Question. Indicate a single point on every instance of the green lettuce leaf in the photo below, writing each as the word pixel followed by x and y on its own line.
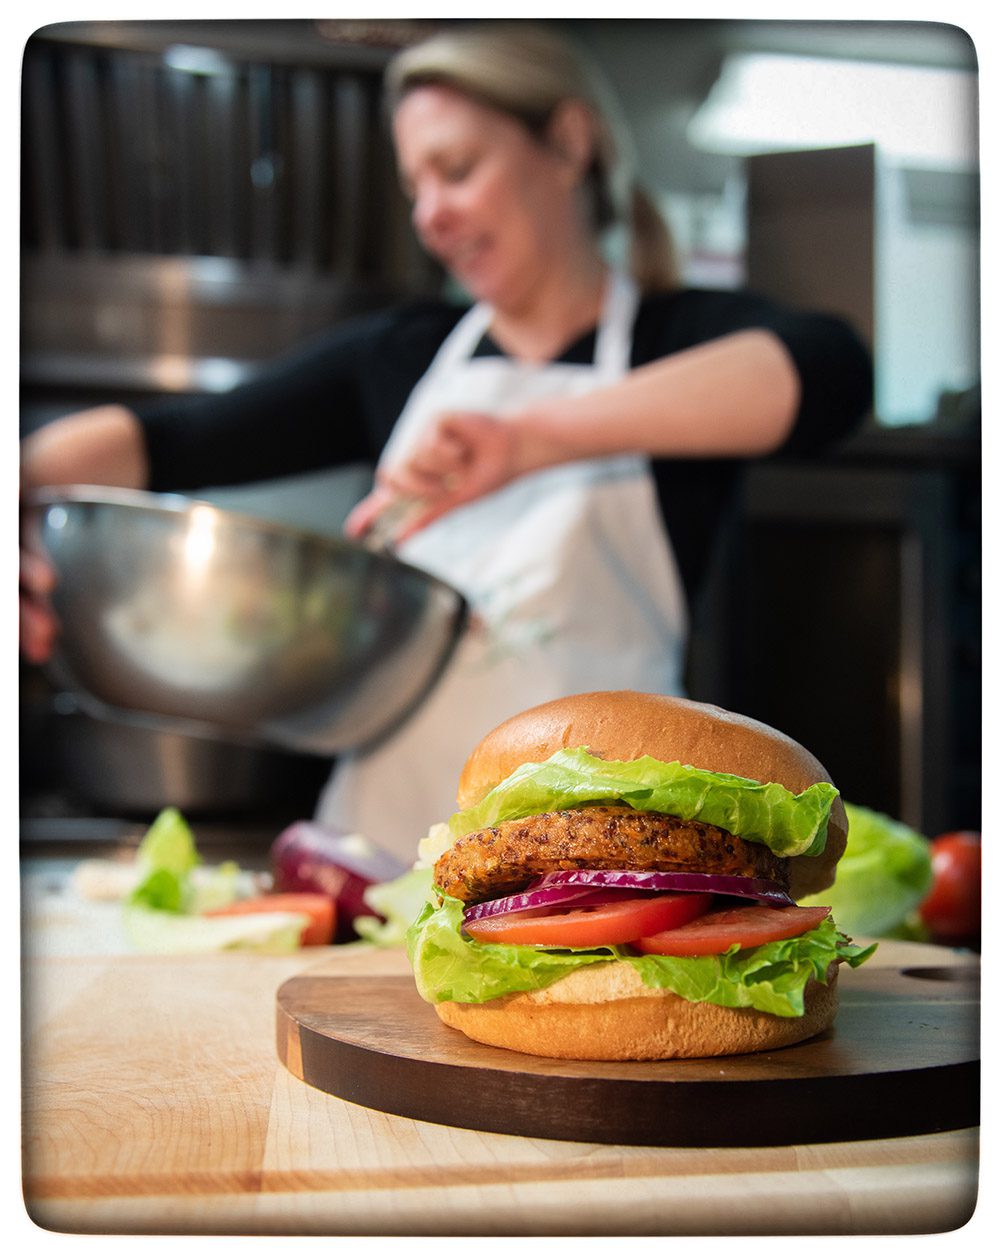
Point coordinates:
pixel 165 858
pixel 399 903
pixel 882 877
pixel 172 876
pixel 164 913
pixel 215 887
pixel 787 823
pixel 770 977
pixel 166 932
pixel 449 966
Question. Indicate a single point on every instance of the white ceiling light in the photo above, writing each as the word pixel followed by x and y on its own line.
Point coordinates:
pixel 769 102
pixel 196 60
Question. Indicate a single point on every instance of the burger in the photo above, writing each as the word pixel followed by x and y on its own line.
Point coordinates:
pixel 620 882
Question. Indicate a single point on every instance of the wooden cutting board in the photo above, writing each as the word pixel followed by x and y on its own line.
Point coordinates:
pixel 154 1102
pixel 902 1059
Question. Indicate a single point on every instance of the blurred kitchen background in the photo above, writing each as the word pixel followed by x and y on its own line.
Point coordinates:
pixel 199 196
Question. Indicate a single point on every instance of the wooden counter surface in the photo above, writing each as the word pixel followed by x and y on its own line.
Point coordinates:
pixel 155 1102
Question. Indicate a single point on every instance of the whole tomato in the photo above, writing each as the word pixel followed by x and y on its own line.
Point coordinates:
pixel 952 907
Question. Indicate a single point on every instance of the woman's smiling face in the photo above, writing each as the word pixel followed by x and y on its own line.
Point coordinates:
pixel 490 202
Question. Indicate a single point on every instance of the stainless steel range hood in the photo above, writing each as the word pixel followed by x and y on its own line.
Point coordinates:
pixel 186 217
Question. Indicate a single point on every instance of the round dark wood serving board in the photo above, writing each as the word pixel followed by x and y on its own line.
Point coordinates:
pixel 902 1059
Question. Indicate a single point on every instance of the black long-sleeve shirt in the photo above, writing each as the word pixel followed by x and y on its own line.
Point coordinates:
pixel 335 401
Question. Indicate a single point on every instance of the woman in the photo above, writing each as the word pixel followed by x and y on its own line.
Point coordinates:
pixel 563 449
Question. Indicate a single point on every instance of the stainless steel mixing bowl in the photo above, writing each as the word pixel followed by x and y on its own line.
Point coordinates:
pixel 219 624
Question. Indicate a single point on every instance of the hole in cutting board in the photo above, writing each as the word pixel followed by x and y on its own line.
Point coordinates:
pixel 942 973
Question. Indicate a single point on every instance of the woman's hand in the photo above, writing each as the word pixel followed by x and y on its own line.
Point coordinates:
pixel 103 445
pixel 460 457
pixel 38 625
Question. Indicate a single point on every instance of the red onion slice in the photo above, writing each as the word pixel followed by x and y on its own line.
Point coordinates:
pixel 666 882
pixel 537 898
pixel 596 886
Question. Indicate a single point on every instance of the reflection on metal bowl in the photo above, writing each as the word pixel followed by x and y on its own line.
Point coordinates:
pixel 207 621
pixel 117 767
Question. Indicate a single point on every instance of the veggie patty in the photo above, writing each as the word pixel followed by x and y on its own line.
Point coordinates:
pixel 507 858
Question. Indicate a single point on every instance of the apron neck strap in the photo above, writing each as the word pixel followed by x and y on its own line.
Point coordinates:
pixel 613 349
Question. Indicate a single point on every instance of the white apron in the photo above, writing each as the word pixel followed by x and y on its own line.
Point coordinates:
pixel 572 584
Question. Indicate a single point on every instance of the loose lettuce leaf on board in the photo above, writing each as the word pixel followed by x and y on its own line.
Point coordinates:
pixel 166 858
pixel 166 932
pixel 164 913
pixel 172 875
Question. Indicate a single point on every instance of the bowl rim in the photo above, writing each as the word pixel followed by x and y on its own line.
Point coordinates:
pixel 178 503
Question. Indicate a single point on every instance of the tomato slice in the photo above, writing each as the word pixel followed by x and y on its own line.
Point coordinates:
pixel 608 924
pixel 320 909
pixel 744 926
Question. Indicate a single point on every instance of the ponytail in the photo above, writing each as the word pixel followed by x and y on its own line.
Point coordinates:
pixel 652 257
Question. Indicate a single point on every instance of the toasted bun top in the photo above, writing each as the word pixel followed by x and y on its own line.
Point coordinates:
pixel 625 725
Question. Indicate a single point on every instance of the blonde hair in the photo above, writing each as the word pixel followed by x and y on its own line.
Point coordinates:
pixel 527 71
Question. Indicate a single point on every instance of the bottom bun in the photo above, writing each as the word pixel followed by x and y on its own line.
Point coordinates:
pixel 606 1012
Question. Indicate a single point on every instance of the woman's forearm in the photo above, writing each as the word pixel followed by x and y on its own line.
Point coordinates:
pixel 732 397
pixel 103 446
